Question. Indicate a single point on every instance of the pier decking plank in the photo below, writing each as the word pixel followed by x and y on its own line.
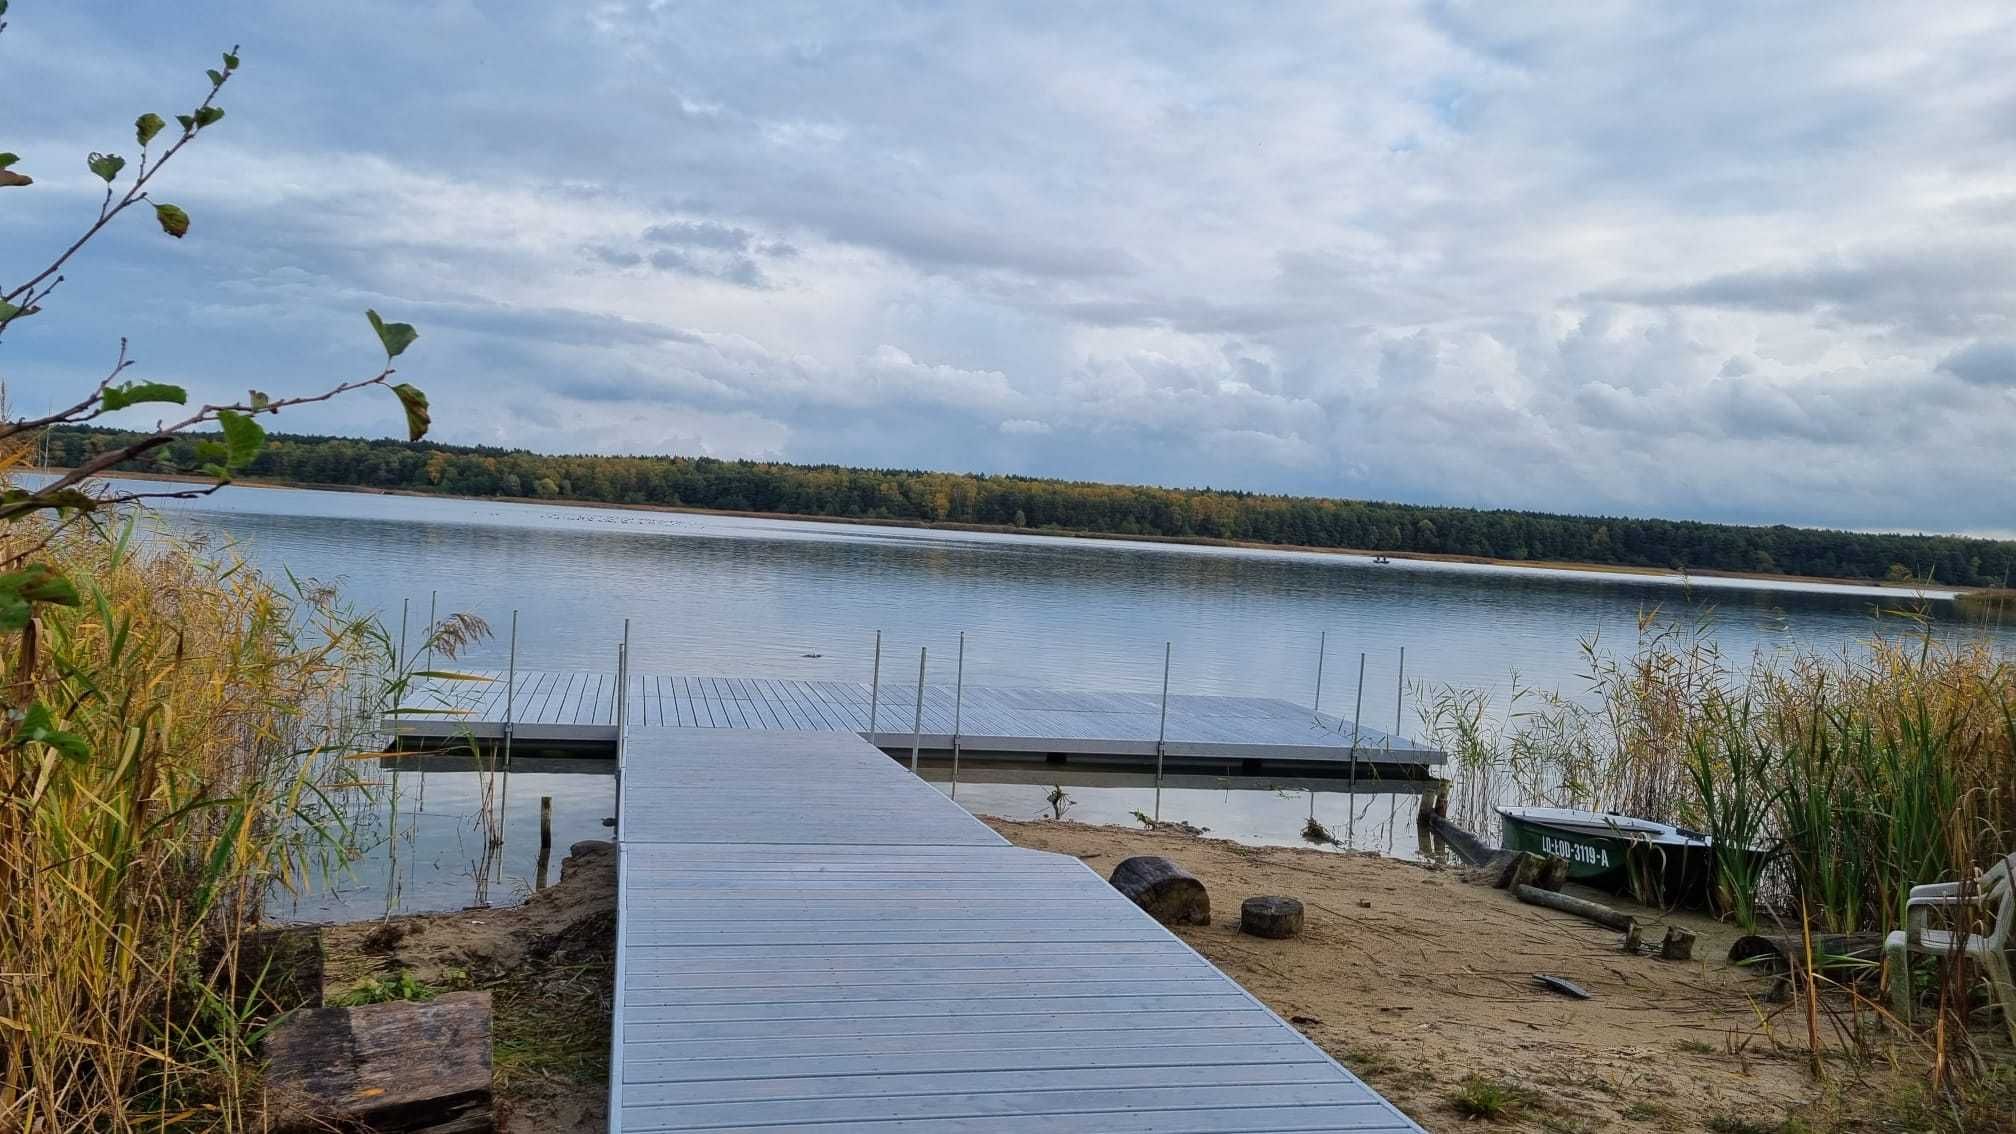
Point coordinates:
pixel 810 938
pixel 569 707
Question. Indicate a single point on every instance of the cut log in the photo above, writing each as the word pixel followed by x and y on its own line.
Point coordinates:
pixel 1589 911
pixel 1553 873
pixel 1467 846
pixel 1170 894
pixel 1841 956
pixel 1679 944
pixel 403 1067
pixel 1270 917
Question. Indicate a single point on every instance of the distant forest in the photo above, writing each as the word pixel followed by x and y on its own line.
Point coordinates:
pixel 1068 506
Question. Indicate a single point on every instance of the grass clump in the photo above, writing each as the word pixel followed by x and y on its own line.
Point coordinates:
pixel 384 990
pixel 1489 1099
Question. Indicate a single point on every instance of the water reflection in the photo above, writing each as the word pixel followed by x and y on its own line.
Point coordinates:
pixel 443 835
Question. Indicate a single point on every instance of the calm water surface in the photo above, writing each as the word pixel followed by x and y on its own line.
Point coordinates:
pixel 732 596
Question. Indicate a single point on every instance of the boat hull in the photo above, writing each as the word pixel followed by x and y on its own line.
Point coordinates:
pixel 1652 873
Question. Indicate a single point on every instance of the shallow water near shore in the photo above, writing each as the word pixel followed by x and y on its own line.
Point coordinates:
pixel 426 845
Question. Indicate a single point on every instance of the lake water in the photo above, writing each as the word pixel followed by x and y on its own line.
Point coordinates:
pixel 750 597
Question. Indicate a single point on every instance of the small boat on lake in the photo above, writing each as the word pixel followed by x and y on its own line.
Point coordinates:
pixel 1655 863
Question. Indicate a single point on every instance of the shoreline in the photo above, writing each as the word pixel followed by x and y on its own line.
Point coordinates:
pixel 1661 574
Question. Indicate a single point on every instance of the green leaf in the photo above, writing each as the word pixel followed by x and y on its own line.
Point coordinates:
pixel 38 725
pixel 188 122
pixel 230 61
pixel 106 166
pixel 8 159
pixel 135 393
pixel 146 126
pixel 216 77
pixel 243 438
pixel 396 336
pixel 173 220
pixel 21 590
pixel 205 115
pixel 415 403
pixel 9 311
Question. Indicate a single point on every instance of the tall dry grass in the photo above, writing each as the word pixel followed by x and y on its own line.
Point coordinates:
pixel 1864 772
pixel 174 752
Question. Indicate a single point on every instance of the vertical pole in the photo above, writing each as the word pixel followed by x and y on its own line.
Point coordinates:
pixel 622 718
pixel 1162 729
pixel 403 604
pixel 1351 816
pixel 1322 648
pixel 958 703
pixel 917 723
pixel 875 694
pixel 1400 694
pixel 433 604
pixel 510 691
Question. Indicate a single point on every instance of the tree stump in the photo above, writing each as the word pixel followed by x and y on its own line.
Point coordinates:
pixel 1170 894
pixel 1553 873
pixel 1679 944
pixel 1270 917
pixel 403 1067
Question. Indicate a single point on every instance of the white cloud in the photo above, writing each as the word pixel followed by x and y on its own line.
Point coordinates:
pixel 1605 257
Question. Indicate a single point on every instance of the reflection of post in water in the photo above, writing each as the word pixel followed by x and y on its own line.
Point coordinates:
pixel 545 840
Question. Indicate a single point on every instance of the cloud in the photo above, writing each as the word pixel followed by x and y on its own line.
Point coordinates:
pixel 1578 259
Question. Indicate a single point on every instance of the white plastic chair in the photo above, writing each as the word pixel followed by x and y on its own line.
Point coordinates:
pixel 1994 889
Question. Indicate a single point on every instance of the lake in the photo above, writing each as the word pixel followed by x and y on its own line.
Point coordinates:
pixel 751 597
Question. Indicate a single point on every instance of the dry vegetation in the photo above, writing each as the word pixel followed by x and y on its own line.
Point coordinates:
pixel 175 753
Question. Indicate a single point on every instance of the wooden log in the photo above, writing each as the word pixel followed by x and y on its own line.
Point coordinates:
pixel 1840 956
pixel 1270 917
pixel 1170 894
pixel 1679 944
pixel 1467 846
pixel 402 1067
pixel 1589 911
pixel 1633 939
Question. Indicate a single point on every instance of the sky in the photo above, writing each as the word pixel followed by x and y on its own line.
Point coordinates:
pixel 1745 262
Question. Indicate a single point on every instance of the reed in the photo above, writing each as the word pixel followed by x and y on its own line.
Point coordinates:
pixel 175 753
pixel 1864 772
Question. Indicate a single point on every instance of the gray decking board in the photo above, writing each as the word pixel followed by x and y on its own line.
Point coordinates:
pixel 580 708
pixel 810 938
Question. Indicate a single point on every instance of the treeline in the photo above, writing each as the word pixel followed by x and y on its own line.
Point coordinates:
pixel 1027 502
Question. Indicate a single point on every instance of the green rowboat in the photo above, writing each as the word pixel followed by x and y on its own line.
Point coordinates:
pixel 1655 863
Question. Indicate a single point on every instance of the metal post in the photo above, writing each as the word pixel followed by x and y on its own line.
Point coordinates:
pixel 1400 694
pixel 1351 816
pixel 1162 729
pixel 403 604
pixel 958 702
pixel 433 604
pixel 622 718
pixel 917 723
pixel 510 692
pixel 1322 648
pixel 875 694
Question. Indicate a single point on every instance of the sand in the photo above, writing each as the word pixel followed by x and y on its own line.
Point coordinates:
pixel 1417 980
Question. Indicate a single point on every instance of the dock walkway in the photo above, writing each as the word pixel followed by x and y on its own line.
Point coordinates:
pixel 1121 728
pixel 809 938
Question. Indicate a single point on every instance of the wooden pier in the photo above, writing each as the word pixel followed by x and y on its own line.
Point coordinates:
pixel 809 938
pixel 1246 733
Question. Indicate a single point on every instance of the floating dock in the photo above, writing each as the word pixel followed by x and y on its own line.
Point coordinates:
pixel 1247 734
pixel 809 938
